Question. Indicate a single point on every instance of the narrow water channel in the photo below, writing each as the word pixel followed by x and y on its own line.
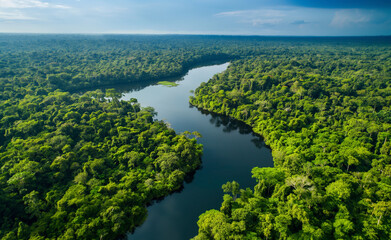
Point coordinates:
pixel 231 150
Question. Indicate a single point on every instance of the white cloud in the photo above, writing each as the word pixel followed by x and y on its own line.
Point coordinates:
pixel 263 12
pixel 18 9
pixel 16 15
pixel 347 17
pixel 256 17
pixel 18 4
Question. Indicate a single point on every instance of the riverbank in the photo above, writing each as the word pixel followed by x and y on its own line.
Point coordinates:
pixel 140 84
pixel 230 151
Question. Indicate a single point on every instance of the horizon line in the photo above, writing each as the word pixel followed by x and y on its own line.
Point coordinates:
pixel 187 34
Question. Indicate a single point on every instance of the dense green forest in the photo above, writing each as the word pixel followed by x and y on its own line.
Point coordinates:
pixel 72 62
pixel 325 112
pixel 85 165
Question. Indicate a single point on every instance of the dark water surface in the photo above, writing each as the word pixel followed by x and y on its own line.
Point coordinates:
pixel 231 150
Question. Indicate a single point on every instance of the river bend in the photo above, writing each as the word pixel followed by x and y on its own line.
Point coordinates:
pixel 231 150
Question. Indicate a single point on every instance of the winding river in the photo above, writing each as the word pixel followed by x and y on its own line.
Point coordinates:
pixel 231 150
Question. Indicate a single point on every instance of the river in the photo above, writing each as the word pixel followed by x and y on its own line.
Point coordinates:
pixel 231 150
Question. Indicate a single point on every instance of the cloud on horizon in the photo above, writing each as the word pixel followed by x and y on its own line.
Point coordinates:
pixel 246 17
pixel 19 9
pixel 349 17
pixel 280 16
pixel 256 17
pixel 378 4
pixel 29 4
pixel 290 20
pixel 15 15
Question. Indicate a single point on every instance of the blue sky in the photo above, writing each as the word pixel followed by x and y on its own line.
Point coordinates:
pixel 232 17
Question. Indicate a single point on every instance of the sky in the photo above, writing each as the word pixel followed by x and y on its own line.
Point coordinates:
pixel 217 17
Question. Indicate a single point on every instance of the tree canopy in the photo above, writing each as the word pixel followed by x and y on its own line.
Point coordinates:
pixel 325 112
pixel 84 165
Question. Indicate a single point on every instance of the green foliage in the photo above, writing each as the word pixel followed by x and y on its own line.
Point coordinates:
pixel 231 187
pixel 82 167
pixel 44 63
pixel 168 84
pixel 323 109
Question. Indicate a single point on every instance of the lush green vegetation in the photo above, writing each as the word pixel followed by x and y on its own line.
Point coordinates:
pixel 325 112
pixel 84 166
pixel 168 84
pixel 73 62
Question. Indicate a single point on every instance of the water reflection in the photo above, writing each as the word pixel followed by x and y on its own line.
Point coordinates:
pixel 231 124
pixel 140 85
pixel 231 150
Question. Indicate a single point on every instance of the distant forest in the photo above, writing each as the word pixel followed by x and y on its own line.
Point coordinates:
pixel 85 165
